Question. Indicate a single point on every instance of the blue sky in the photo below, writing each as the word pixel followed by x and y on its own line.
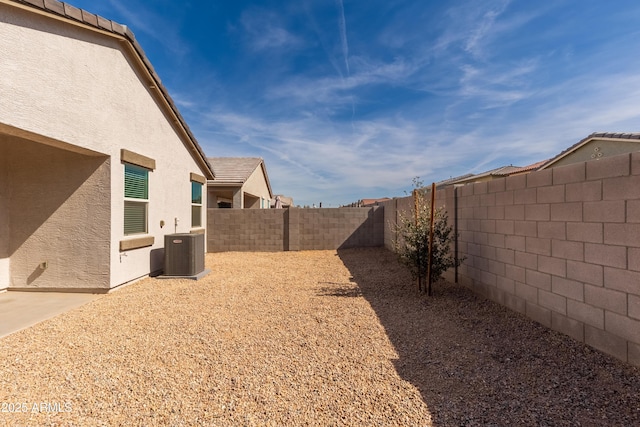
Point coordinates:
pixel 352 99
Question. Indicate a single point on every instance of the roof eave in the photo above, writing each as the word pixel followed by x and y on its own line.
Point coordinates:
pixel 266 177
pixel 222 183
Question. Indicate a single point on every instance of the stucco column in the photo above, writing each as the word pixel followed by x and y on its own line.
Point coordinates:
pixel 238 199
pixel 212 200
pixel 4 217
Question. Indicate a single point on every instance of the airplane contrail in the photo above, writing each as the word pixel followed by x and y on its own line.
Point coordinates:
pixel 342 23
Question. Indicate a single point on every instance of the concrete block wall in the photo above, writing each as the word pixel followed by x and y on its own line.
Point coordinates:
pixel 402 207
pixel 561 246
pixel 294 229
pixel 245 230
pixel 337 228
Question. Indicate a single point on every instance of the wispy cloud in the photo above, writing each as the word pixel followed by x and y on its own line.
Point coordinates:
pixel 336 49
pixel 498 86
pixel 483 29
pixel 334 91
pixel 370 155
pixel 152 23
pixel 493 114
pixel 472 26
pixel 265 31
pixel 378 157
pixel 342 25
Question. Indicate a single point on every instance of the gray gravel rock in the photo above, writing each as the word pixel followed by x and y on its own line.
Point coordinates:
pixel 306 338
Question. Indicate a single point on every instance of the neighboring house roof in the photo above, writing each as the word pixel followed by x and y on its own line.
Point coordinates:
pixel 372 202
pixel 234 171
pixel 502 171
pixel 453 180
pixel 530 168
pixel 67 13
pixel 468 178
pixel 607 136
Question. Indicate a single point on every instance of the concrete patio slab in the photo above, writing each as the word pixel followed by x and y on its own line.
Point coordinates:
pixel 20 310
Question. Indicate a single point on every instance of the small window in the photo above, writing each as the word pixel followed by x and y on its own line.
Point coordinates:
pixel 136 199
pixel 196 204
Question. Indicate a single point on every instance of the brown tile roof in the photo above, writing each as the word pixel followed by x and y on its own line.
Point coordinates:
pixel 516 170
pixel 68 12
pixel 465 179
pixel 452 180
pixel 497 172
pixel 373 202
pixel 583 141
pixel 501 171
pixel 236 170
pixel 616 135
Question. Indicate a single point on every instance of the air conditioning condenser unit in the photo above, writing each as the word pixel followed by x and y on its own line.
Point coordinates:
pixel 183 254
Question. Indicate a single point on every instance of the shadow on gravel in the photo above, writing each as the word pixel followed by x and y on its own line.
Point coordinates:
pixel 349 290
pixel 477 363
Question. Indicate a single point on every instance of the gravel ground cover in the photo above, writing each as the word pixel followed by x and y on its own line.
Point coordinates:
pixel 305 338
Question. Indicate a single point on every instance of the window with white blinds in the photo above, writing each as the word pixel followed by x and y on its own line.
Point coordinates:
pixel 136 199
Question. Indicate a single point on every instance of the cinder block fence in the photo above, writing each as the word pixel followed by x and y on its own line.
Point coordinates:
pixel 293 229
pixel 561 246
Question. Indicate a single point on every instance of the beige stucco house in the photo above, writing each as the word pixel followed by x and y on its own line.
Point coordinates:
pixel 596 146
pixel 281 201
pixel 96 163
pixel 240 182
pixel 500 172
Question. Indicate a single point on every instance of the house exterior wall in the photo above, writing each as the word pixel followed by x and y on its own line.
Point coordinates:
pixel 599 149
pixel 85 89
pixel 251 202
pixel 560 245
pixel 220 193
pixel 212 200
pixel 58 217
pixel 256 185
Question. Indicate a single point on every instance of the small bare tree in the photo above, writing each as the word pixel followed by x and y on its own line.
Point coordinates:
pixel 412 242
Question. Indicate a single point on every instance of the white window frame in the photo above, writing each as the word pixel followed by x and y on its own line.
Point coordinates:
pixel 141 238
pixel 138 201
pixel 201 181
